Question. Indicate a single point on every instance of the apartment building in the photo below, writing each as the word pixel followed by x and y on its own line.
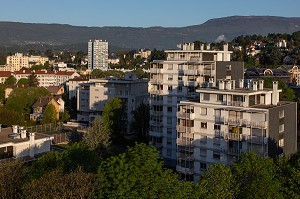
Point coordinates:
pixel 73 85
pixel 176 79
pixel 92 96
pixel 4 75
pixel 47 78
pixel 226 121
pixel 18 61
pixel 97 54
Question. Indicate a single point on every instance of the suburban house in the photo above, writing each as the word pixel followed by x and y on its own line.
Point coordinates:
pixel 56 90
pixel 40 105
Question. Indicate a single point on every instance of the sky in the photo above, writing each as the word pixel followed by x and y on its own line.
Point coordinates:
pixel 140 13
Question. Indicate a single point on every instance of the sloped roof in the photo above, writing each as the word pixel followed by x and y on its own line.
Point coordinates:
pixel 54 89
pixel 5 73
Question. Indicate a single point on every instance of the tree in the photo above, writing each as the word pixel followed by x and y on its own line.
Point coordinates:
pixel 10 117
pixel 141 118
pixel 33 80
pixel 10 81
pixel 23 81
pixel 11 178
pixel 256 177
pixel 158 55
pixel 64 116
pixel 114 116
pixel 97 73
pixel 219 182
pixel 138 173
pixel 97 136
pixel 50 114
pixel 58 184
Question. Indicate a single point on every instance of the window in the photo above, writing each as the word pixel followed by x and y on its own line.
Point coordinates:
pixel 179 78
pixel 281 128
pixel 169 109
pixel 217 112
pixel 217 127
pixel 203 152
pixel 169 99
pixel 216 155
pixel 169 120
pixel 203 111
pixel 203 138
pixel 220 97
pixel 281 143
pixel 170 77
pixel 281 114
pixel 205 96
pixel 179 88
pixel 203 166
pixel 204 125
pixel 169 152
pixel 170 66
pixel 169 131
pixel 170 88
pixel 169 141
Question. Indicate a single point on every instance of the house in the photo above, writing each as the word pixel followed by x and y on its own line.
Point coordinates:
pixel 16 142
pixel 4 75
pixel 56 90
pixel 40 105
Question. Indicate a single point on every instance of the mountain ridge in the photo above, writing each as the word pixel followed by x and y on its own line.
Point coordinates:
pixel 54 34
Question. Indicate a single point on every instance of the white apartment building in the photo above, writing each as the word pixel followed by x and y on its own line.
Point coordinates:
pixel 73 85
pixel 47 78
pixel 98 54
pixel 227 120
pixel 18 60
pixel 92 96
pixel 176 79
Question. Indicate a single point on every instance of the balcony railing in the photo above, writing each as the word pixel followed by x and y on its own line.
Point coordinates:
pixel 184 142
pixel 190 72
pixel 219 120
pixel 184 170
pixel 257 139
pixel 157 92
pixel 234 136
pixel 244 122
pixel 185 156
pixel 156 81
pixel 155 123
pixel 183 115
pixel 235 103
pixel 219 134
pixel 185 129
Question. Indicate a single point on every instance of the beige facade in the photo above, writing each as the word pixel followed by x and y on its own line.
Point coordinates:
pixel 227 120
pixel 18 60
pixel 92 96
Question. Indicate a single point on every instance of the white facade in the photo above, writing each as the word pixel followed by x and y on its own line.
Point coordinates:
pixel 171 81
pixel 226 121
pixel 92 96
pixel 98 54
pixel 73 85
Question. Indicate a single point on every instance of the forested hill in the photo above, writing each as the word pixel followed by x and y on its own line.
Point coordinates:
pixel 14 33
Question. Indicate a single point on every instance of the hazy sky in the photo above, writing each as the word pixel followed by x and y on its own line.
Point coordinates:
pixel 140 13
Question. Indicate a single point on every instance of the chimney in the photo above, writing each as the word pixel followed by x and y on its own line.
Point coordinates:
pixel 261 84
pixel 31 144
pixel 255 84
pixel 201 46
pixel 225 47
pixel 221 85
pixel 15 128
pixel 208 47
pixel 241 83
pixel 249 83
pixel 275 85
pixel 228 85
pixel 233 84
pixel 23 134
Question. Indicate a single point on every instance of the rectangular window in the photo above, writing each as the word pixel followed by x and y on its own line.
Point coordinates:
pixel 169 141
pixel 204 125
pixel 203 166
pixel 170 77
pixel 179 78
pixel 220 97
pixel 217 127
pixel 169 152
pixel 203 111
pixel 281 128
pixel 203 152
pixel 217 112
pixel 169 131
pixel 281 114
pixel 203 138
pixel 206 96
pixel 169 109
pixel 179 89
pixel 216 155
pixel 169 120
pixel 170 88
pixel 170 66
pixel 281 143
pixel 169 99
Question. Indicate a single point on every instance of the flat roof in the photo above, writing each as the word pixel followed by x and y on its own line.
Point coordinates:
pixel 4 138
pixel 236 90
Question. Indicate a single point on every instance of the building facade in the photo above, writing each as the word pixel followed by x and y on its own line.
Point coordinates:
pixel 228 120
pixel 92 96
pixel 176 79
pixel 98 55
pixel 18 61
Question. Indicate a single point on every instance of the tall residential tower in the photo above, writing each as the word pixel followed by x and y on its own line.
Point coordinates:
pixel 97 54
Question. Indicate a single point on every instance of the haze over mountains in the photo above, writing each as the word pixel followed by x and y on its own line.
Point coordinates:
pixel 67 36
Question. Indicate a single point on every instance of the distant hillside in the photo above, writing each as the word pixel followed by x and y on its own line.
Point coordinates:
pixel 66 36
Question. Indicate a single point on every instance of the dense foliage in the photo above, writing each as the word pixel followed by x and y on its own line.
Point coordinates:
pixel 79 172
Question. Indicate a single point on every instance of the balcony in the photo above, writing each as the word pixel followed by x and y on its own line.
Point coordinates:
pixel 236 103
pixel 234 136
pixel 234 151
pixel 156 81
pixel 185 156
pixel 183 115
pixel 257 139
pixel 155 70
pixel 156 102
pixel 184 170
pixel 156 113
pixel 184 142
pixel 219 120
pixel 155 123
pixel 185 129
pixel 244 122
pixel 157 92
pixel 190 72
pixel 219 134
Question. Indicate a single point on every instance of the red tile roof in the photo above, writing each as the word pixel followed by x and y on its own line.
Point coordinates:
pixel 5 73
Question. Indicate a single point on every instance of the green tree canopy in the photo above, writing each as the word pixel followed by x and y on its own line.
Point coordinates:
pixel 33 80
pixel 257 177
pixel 141 118
pixel 23 81
pixel 114 116
pixel 10 117
pixel 10 81
pixel 97 136
pixel 50 114
pixel 138 173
